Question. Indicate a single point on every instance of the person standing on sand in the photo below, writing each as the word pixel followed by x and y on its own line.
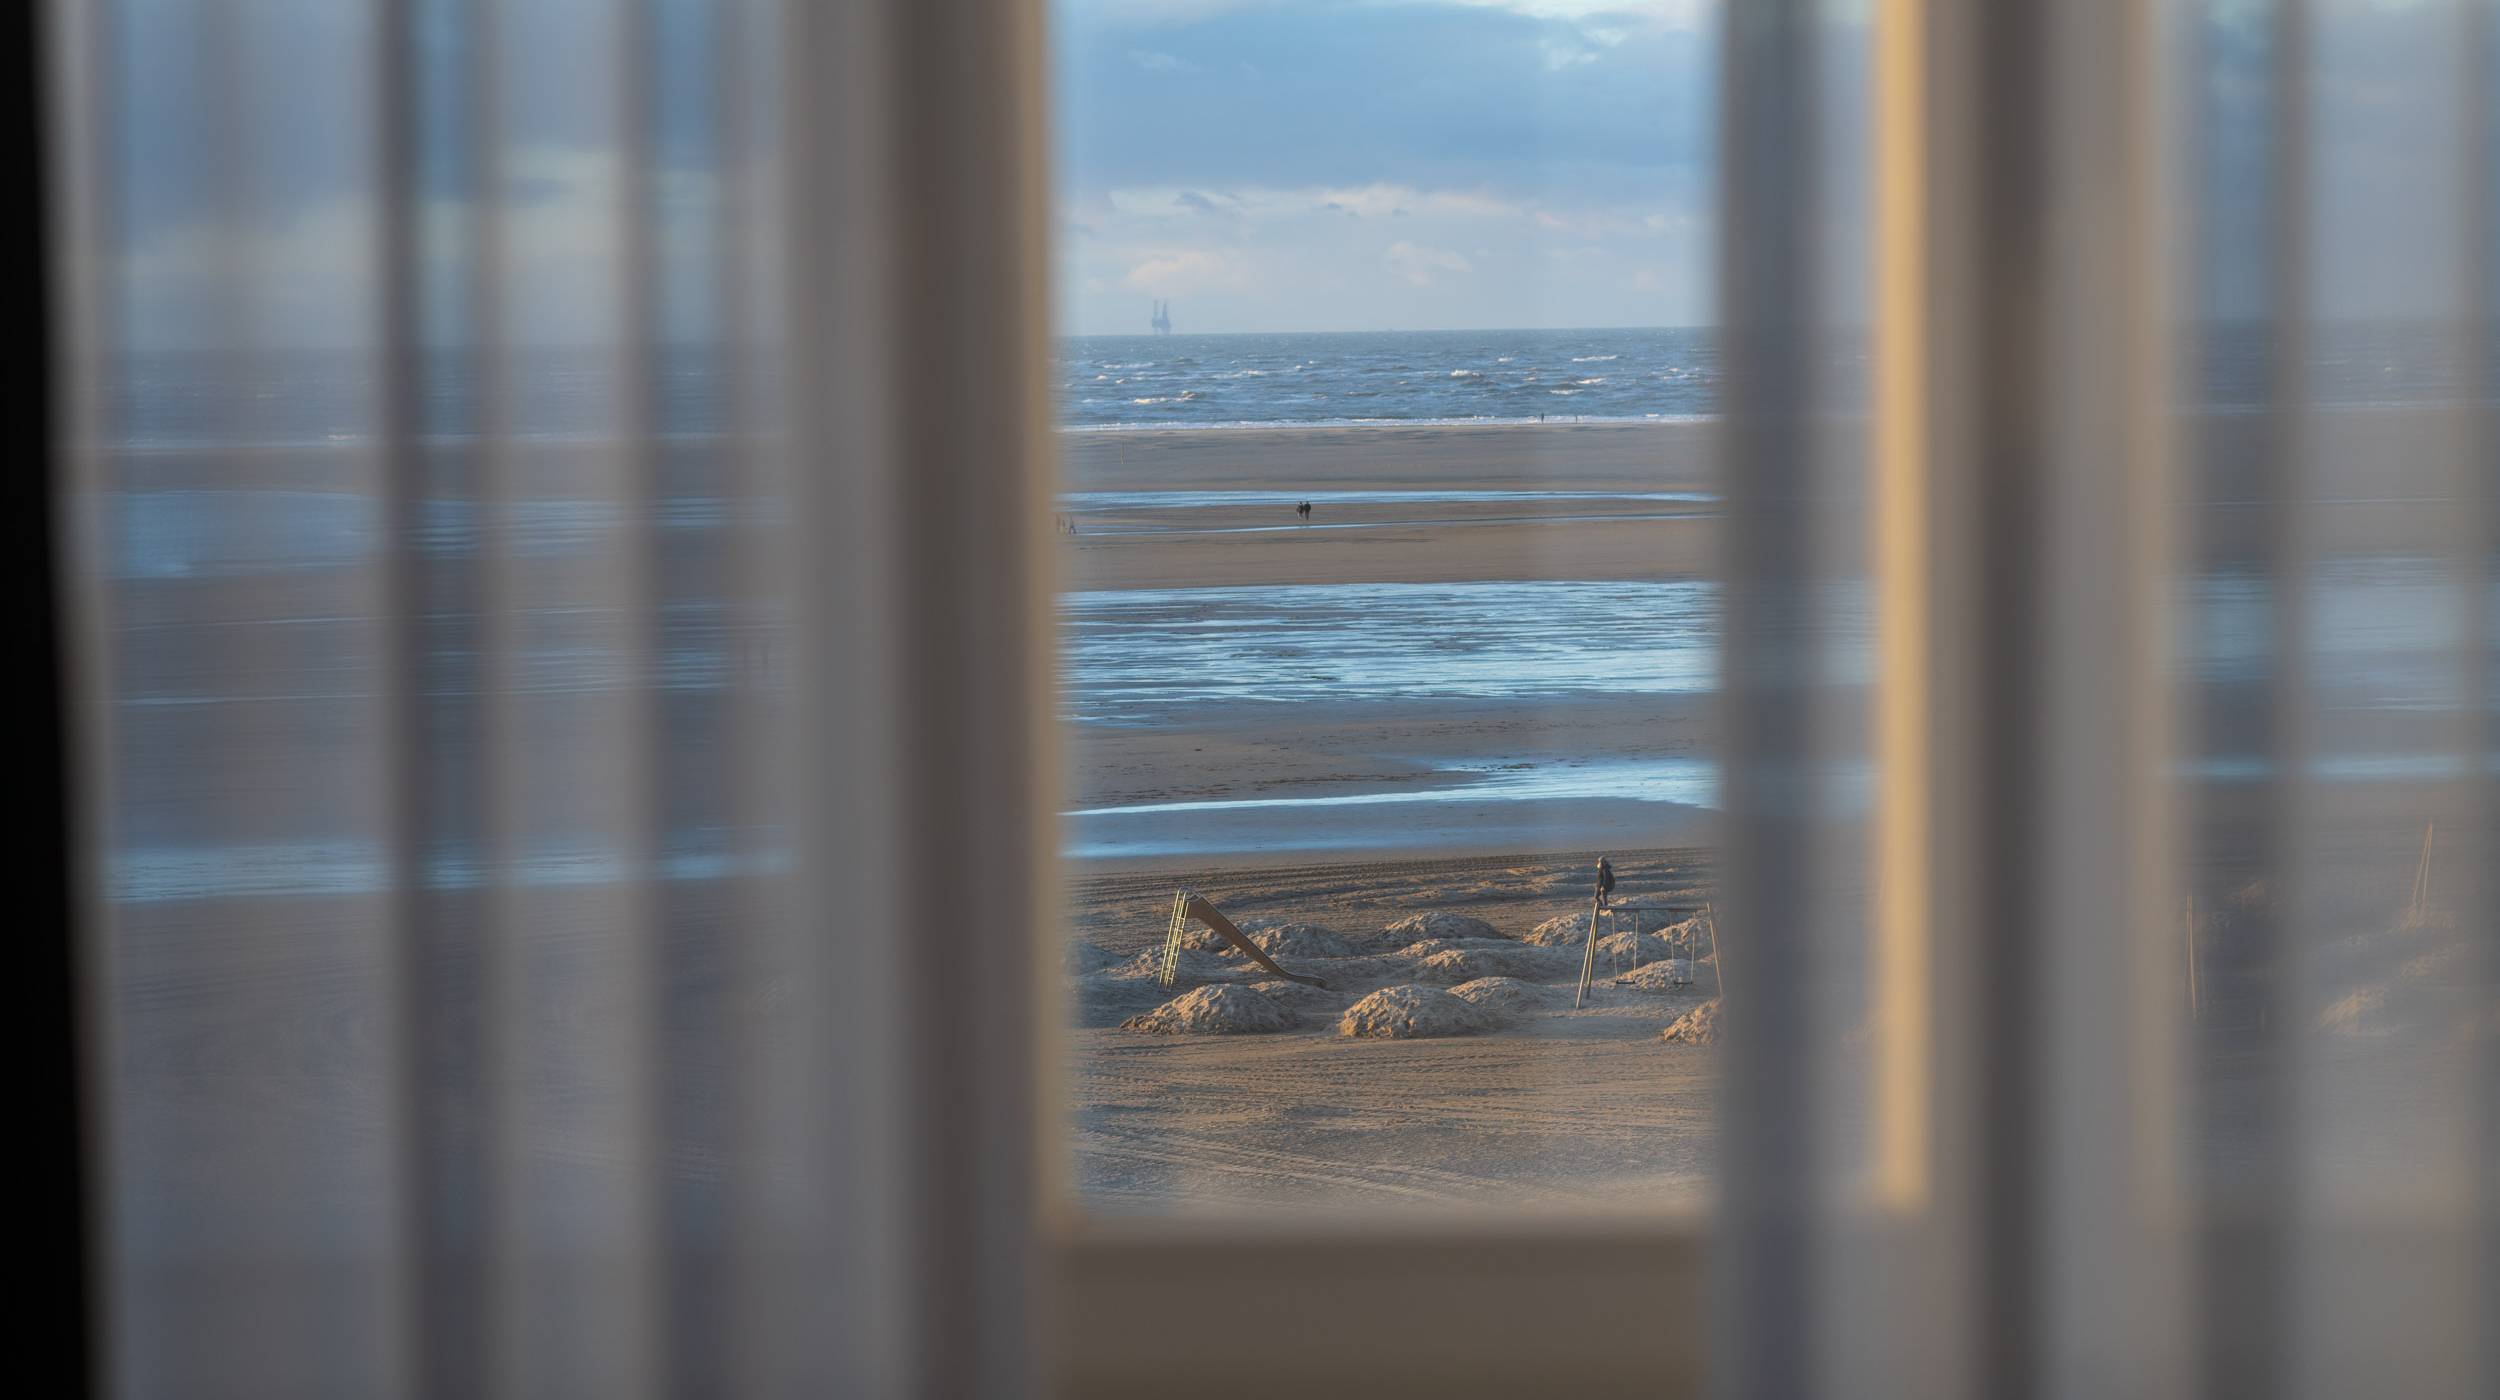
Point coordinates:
pixel 1304 510
pixel 1605 881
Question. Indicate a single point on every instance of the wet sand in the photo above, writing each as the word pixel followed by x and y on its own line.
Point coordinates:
pixel 2385 480
pixel 1555 505
pixel 1554 502
pixel 1406 542
pixel 1354 807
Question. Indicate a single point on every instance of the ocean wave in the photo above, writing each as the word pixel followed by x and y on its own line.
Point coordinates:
pixel 1592 359
pixel 1440 420
pixel 1465 374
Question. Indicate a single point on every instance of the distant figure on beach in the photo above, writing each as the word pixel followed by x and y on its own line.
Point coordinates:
pixel 1304 510
pixel 1605 880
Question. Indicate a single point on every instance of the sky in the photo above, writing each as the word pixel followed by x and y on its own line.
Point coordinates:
pixel 1263 164
pixel 1424 164
pixel 1344 165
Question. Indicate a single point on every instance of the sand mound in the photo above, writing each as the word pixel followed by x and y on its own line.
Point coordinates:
pixel 1507 998
pixel 1300 941
pixel 1103 1000
pixel 1453 963
pixel 1699 1026
pixel 1306 1003
pixel 1411 1012
pixel 2448 964
pixel 1191 969
pixel 1666 975
pixel 1081 958
pixel 2363 1012
pixel 1415 928
pixel 1572 930
pixel 1199 939
pixel 1220 1009
pixel 2411 980
pixel 1628 948
pixel 1358 974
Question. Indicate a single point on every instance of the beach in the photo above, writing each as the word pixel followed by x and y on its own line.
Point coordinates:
pixel 1492 643
pixel 1467 605
pixel 1503 637
pixel 1490 657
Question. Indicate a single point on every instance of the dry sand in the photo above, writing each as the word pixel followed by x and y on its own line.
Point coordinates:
pixel 2387 482
pixel 1402 1085
pixel 1528 1101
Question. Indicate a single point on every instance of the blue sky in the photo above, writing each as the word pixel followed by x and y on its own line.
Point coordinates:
pixel 1337 164
pixel 1377 164
pixel 1265 164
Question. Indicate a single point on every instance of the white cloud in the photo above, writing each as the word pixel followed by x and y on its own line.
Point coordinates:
pixel 212 284
pixel 1155 62
pixel 1373 201
pixel 1377 201
pixel 1616 17
pixel 1419 264
pixel 310 278
pixel 1678 14
pixel 1175 271
pixel 1560 55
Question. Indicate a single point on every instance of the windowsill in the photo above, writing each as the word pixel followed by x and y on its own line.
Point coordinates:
pixel 1540 1302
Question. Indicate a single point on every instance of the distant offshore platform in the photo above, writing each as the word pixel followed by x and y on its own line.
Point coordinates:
pixel 1162 319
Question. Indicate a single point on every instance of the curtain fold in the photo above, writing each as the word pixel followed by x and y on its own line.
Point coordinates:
pixel 554 485
pixel 2171 1086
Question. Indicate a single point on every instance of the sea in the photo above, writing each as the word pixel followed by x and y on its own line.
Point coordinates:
pixel 1213 381
pixel 177 399
pixel 248 471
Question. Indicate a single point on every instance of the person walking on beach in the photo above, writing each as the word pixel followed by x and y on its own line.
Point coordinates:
pixel 1304 510
pixel 1605 881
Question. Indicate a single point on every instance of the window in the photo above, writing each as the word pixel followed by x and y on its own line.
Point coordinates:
pixel 577 707
pixel 1387 395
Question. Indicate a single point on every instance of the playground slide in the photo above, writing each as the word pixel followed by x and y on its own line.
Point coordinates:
pixel 1190 904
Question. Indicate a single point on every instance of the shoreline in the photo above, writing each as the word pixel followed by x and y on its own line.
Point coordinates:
pixel 1330 424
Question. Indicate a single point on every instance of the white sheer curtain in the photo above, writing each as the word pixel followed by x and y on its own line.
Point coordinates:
pixel 2079 1169
pixel 553 493
pixel 560 641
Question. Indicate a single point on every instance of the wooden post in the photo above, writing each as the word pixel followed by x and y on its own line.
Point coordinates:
pixel 1588 957
pixel 1718 966
pixel 2422 879
pixel 2196 1000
